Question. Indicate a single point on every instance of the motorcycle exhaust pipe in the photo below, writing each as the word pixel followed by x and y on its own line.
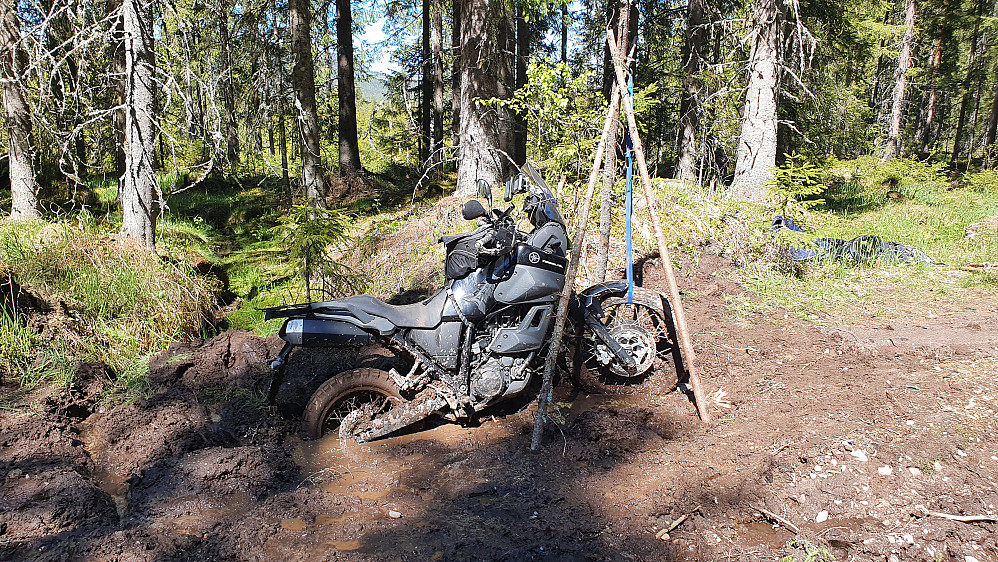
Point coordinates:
pixel 311 333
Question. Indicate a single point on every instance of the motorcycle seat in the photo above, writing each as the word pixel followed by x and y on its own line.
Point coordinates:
pixel 426 314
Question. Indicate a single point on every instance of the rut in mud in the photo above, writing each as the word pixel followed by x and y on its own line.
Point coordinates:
pixel 848 433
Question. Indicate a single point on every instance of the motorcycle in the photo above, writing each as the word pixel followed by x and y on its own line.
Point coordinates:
pixel 480 340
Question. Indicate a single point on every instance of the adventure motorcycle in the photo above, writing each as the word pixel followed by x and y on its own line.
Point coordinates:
pixel 482 338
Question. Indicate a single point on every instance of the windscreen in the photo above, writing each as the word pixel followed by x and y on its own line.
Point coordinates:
pixel 549 203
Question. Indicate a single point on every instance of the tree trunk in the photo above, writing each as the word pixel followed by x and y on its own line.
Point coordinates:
pixel 610 158
pixel 925 130
pixel 481 137
pixel 967 95
pixel 231 128
pixel 23 186
pixel 689 107
pixel 283 138
pixel 118 69
pixel 993 120
pixel 893 148
pixel 755 157
pixel 303 81
pixel 349 148
pixel 612 22
pixel 522 54
pixel 438 83
pixel 140 191
pixel 455 120
pixel 426 90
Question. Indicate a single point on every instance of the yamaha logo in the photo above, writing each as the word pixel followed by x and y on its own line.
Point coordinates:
pixel 534 257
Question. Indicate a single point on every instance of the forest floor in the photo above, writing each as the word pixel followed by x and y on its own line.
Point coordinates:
pixel 851 433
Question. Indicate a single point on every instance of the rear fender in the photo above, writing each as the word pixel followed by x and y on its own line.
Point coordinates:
pixel 331 311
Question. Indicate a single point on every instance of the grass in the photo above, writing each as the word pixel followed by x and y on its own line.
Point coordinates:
pixel 98 297
pixel 931 217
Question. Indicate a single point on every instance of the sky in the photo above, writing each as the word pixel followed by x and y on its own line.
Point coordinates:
pixel 380 55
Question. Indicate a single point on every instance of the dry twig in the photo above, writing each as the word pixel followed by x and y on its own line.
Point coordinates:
pixel 922 511
pixel 774 517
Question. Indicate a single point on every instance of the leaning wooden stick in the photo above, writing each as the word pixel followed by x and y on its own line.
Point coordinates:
pixel 685 343
pixel 554 348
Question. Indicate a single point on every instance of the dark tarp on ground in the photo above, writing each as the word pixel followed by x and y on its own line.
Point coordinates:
pixel 861 249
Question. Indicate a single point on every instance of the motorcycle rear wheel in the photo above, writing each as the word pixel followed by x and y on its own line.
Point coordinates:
pixel 355 397
pixel 640 327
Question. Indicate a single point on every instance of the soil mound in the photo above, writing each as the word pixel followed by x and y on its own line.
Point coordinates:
pixel 179 486
pixel 41 503
pixel 32 441
pixel 232 360
pixel 131 436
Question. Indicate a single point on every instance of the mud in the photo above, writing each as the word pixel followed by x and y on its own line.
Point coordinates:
pixel 849 432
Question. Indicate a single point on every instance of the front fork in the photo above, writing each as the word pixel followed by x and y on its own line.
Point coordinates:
pixel 596 325
pixel 279 366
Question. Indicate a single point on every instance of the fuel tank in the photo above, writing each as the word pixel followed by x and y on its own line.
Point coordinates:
pixel 537 276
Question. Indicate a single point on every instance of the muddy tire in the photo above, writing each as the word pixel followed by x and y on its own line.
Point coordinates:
pixel 639 326
pixel 360 393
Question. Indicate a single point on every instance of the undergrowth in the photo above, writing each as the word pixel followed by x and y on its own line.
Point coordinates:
pixel 93 296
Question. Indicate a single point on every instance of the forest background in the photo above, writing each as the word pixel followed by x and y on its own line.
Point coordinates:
pixel 173 165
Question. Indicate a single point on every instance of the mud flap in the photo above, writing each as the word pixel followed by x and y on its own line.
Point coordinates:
pixel 279 366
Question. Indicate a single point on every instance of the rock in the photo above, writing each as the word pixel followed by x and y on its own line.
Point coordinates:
pixel 860 455
pixel 915 471
pixel 822 516
pixel 662 535
pixel 395 514
pixel 885 470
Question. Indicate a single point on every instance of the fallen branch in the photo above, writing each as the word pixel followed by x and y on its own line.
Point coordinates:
pixel 920 509
pixel 774 517
pixel 980 267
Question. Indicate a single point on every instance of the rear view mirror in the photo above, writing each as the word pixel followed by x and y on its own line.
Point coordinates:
pixel 514 185
pixel 473 210
pixel 485 191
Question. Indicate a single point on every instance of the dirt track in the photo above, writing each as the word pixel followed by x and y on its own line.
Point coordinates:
pixel 847 433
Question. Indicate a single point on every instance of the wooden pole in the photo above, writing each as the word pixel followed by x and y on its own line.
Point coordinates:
pixel 685 342
pixel 544 398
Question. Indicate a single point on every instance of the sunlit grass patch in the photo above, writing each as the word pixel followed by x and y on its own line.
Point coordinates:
pixel 101 298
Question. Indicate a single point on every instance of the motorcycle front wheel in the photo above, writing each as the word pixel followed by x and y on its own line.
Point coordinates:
pixel 347 403
pixel 640 328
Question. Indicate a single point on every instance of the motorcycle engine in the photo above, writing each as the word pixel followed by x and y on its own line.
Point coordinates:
pixel 495 375
pixel 491 378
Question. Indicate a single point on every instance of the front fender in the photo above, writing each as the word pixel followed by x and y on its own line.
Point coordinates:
pixel 590 298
